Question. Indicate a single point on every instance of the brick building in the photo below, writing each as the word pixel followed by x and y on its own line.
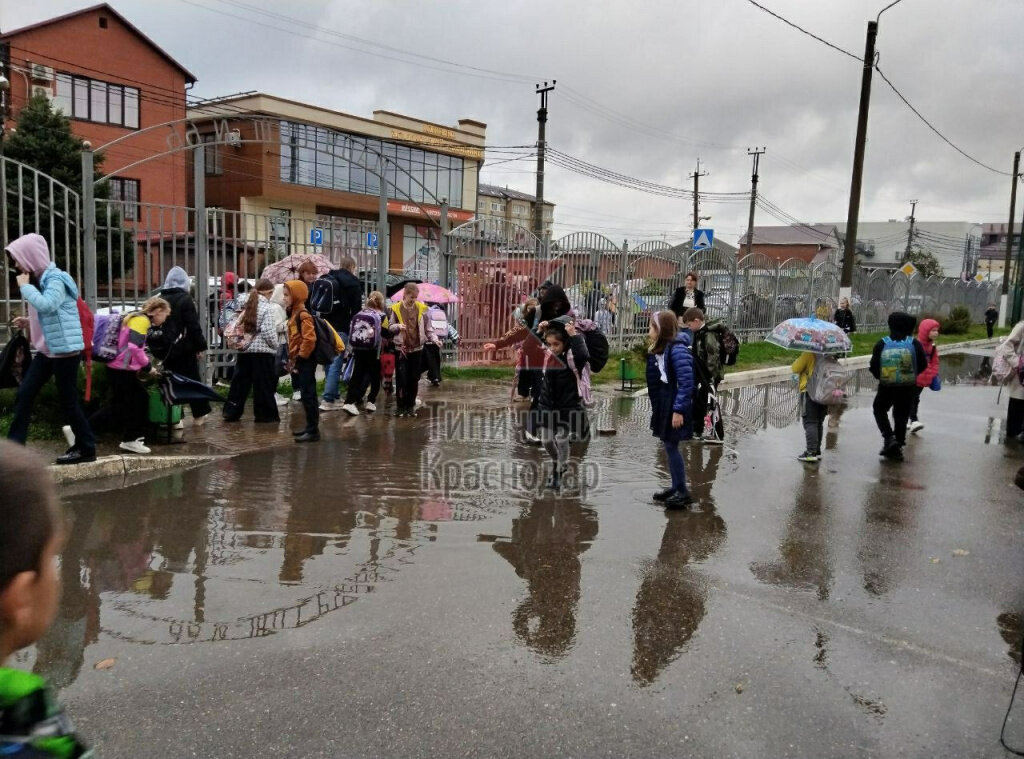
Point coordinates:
pixel 111 80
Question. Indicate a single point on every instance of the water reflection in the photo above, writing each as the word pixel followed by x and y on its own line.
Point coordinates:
pixel 547 540
pixel 885 536
pixel 805 558
pixel 1011 628
pixel 671 601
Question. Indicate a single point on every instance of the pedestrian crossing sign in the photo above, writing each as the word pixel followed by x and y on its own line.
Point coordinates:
pixel 703 239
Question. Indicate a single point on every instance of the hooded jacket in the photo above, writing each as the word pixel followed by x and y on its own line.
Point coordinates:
pixel 924 379
pixel 301 332
pixel 350 299
pixel 555 303
pixel 183 321
pixel 901 326
pixel 53 306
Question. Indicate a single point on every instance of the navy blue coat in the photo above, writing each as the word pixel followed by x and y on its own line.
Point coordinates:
pixel 675 396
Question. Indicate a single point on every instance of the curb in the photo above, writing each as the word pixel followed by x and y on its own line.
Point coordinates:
pixel 123 466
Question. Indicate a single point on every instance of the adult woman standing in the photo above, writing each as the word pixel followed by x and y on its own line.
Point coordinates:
pixel 688 296
pixel 843 317
pixel 1015 407
pixel 181 342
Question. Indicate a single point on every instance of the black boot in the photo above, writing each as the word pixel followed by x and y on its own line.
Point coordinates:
pixel 887 442
pixel 663 495
pixel 679 500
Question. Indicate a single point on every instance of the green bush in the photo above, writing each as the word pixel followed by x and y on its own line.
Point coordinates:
pixel 958 322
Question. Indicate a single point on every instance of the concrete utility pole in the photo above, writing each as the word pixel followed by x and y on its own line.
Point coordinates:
pixel 910 231
pixel 757 153
pixel 695 176
pixel 1004 298
pixel 542 120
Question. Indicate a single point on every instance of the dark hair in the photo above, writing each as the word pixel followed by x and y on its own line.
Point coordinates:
pixel 693 313
pixel 691 274
pixel 28 511
pixel 668 327
pixel 557 329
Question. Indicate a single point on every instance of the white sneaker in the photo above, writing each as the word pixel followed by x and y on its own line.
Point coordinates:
pixel 371 407
pixel 68 435
pixel 297 396
pixel 197 421
pixel 915 427
pixel 350 408
pixel 135 446
pixel 531 438
pixel 419 404
pixel 329 405
pixel 280 399
pixel 178 426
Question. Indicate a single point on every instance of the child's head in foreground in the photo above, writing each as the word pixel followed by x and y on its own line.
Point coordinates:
pixel 30 540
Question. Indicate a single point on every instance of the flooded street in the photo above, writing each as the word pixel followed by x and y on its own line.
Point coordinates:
pixel 405 588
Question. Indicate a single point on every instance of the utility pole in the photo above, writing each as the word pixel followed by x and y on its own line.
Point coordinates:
pixel 695 176
pixel 757 153
pixel 910 231
pixel 1005 297
pixel 542 120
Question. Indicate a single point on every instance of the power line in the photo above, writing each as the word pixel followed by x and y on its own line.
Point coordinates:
pixel 932 127
pixel 804 31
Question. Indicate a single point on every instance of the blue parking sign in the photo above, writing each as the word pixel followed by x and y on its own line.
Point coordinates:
pixel 371 240
pixel 316 236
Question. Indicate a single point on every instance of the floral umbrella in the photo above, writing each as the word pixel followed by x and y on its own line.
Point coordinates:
pixel 287 268
pixel 810 334
pixel 436 294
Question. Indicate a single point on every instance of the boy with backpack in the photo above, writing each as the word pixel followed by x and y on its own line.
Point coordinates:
pixel 366 342
pixel 895 362
pixel 337 296
pixel 55 324
pixel 34 725
pixel 708 348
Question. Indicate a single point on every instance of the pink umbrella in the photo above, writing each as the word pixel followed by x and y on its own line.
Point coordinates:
pixel 436 294
pixel 287 268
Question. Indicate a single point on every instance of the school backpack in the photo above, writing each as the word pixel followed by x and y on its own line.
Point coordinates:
pixel 827 383
pixel 1005 363
pixel 597 344
pixel 227 314
pixel 235 336
pixel 728 347
pixel 328 343
pixel 105 336
pixel 88 322
pixel 439 322
pixel 364 330
pixel 323 296
pixel 898 362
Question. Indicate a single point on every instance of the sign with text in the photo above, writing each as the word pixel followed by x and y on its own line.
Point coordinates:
pixel 411 209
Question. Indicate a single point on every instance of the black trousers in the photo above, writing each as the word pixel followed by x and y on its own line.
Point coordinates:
pixel 188 366
pixel 989 327
pixel 255 372
pixel 900 399
pixel 365 374
pixel 128 409
pixel 431 363
pixel 65 373
pixel 1014 417
pixel 304 380
pixel 916 403
pixel 407 378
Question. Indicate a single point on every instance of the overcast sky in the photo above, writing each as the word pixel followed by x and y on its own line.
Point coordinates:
pixel 644 89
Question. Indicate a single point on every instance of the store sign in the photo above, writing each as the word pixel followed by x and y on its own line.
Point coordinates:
pixel 411 209
pixel 441 144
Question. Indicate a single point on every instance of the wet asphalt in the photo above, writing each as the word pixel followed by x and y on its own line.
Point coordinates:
pixel 406 589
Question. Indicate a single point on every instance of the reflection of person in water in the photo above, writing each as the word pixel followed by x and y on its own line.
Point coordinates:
pixel 804 560
pixel 1011 628
pixel 547 540
pixel 671 601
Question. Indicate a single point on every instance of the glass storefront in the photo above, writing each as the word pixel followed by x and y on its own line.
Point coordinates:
pixel 320 157
pixel 421 252
pixel 346 237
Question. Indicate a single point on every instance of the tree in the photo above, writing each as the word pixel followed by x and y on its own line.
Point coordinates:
pixel 43 140
pixel 926 262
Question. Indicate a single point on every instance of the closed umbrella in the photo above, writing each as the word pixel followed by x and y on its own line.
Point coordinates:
pixel 810 334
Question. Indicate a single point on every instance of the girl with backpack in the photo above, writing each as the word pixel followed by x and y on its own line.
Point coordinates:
pixel 670 382
pixel 560 417
pixel 366 343
pixel 254 334
pixel 408 322
pixel 927 331
pixel 812 413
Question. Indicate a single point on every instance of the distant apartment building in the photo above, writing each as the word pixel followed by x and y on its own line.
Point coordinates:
pixel 992 261
pixel 293 168
pixel 513 207
pixel 111 80
pixel 883 244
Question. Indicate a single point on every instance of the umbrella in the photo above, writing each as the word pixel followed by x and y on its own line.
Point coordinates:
pixel 287 268
pixel 810 334
pixel 395 282
pixel 178 389
pixel 436 294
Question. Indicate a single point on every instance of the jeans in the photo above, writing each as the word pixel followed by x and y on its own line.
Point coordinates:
pixel 899 399
pixel 676 466
pixel 814 414
pixel 65 373
pixel 255 372
pixel 304 379
pixel 128 409
pixel 365 373
pixel 407 379
pixel 332 384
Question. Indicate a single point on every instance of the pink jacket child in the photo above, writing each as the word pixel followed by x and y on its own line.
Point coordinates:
pixel 131 344
pixel 931 350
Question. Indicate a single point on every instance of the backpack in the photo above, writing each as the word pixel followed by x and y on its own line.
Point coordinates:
pixel 827 383
pixel 323 296
pixel 105 336
pixel 364 330
pixel 728 347
pixel 439 322
pixel 88 321
pixel 227 315
pixel 897 366
pixel 14 360
pixel 328 344
pixel 235 336
pixel 597 344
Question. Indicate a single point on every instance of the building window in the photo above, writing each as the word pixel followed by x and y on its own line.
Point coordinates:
pixel 211 154
pixel 92 100
pixel 421 252
pixel 126 193
pixel 279 233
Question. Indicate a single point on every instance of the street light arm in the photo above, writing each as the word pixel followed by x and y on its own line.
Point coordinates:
pixel 890 5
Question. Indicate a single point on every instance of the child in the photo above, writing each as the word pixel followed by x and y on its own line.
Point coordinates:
pixel 254 365
pixel 409 323
pixel 813 413
pixel 843 317
pixel 991 316
pixel 895 362
pixel 670 381
pixel 560 415
pixel 441 330
pixel 707 342
pixel 529 353
pixel 926 334
pixel 366 342
pixel 34 725
pixel 129 399
pixel 301 345
pixel 603 317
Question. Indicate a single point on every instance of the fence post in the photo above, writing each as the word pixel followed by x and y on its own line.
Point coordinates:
pixel 201 241
pixel 620 321
pixel 89 226
pixel 445 272
pixel 383 246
